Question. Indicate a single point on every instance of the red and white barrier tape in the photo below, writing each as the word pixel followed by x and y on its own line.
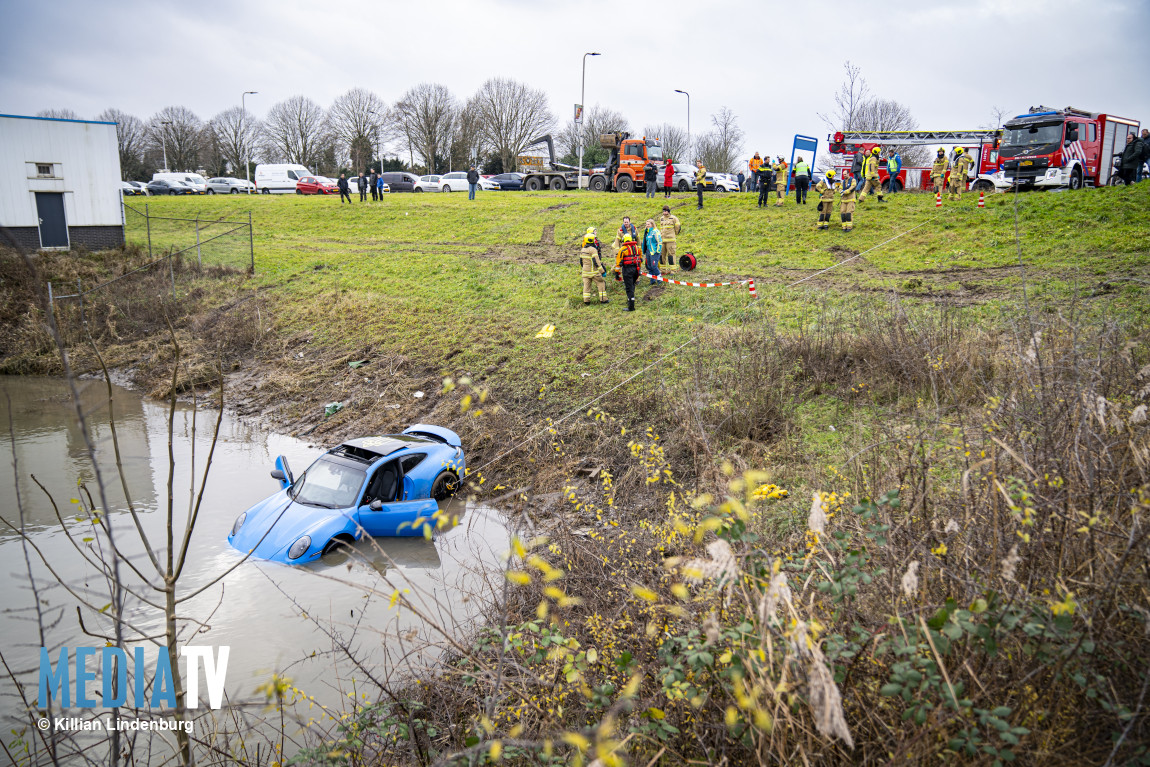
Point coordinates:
pixel 750 283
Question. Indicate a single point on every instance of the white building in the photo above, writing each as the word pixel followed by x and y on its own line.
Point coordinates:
pixel 60 182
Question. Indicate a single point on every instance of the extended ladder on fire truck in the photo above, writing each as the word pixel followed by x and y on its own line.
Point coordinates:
pixel 909 138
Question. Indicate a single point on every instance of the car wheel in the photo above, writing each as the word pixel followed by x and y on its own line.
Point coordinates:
pixel 444 486
pixel 172 192
pixel 297 191
pixel 417 189
pixel 1076 179
pixel 446 188
pixel 534 184
pixel 265 191
pixel 626 185
pixel 598 184
pixel 211 191
pixel 721 189
pixel 338 543
pixel 558 185
pixel 233 191
pixel 982 186
pixel 684 186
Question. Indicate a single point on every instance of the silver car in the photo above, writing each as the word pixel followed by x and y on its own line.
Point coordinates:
pixel 222 185
pixel 684 178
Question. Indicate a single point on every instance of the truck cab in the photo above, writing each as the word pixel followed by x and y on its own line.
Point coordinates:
pixel 624 171
pixel 1071 148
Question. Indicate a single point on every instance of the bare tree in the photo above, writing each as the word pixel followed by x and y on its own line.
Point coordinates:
pixel 179 132
pixel 997 118
pixel 357 120
pixel 851 96
pixel 469 140
pixel 673 138
pixel 596 120
pixel 235 135
pixel 295 130
pixel 511 114
pixel 425 119
pixel 58 114
pixel 131 140
pixel 720 148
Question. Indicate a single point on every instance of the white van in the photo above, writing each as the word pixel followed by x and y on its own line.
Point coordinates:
pixel 279 177
pixel 194 180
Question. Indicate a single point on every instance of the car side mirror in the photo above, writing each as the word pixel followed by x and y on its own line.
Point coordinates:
pixel 1071 135
pixel 376 505
pixel 279 475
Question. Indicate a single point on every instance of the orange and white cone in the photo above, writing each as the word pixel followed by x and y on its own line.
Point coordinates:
pixel 938 200
pixel 981 198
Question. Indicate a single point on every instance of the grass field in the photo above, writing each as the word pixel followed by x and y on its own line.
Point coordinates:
pixel 446 279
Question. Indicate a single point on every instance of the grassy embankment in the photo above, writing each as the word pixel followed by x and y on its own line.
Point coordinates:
pixel 1006 420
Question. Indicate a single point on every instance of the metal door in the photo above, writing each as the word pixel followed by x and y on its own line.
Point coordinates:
pixel 53 225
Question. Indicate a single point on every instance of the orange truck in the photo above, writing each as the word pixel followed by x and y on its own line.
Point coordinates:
pixel 624 170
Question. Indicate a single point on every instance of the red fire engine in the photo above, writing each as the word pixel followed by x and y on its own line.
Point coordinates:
pixel 981 145
pixel 1062 147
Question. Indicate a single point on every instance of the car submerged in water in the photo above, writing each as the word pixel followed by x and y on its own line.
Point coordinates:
pixel 377 486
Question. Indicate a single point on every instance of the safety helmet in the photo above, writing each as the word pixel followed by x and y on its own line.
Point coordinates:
pixel 831 173
pixel 941 151
pixel 875 150
pixel 958 151
pixel 591 231
pixel 628 238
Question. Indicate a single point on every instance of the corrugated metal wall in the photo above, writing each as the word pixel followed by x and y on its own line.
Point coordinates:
pixel 86 168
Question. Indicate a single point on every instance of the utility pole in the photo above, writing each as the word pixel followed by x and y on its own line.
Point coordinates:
pixel 583 119
pixel 243 119
pixel 688 95
pixel 164 141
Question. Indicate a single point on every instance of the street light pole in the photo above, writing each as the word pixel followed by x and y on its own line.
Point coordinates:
pixel 164 142
pixel 243 118
pixel 583 116
pixel 688 95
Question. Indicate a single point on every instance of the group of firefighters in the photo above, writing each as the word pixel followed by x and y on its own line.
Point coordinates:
pixel 656 246
pixel 657 250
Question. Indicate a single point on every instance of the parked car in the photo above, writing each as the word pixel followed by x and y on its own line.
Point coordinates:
pixel 128 189
pixel 427 184
pixel 198 183
pixel 683 179
pixel 457 182
pixel 228 185
pixel 141 185
pixel 509 182
pixel 315 185
pixel 160 186
pixel 378 486
pixel 720 182
pixel 400 182
pixel 279 178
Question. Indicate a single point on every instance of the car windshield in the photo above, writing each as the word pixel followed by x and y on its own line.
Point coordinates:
pixel 1032 135
pixel 329 484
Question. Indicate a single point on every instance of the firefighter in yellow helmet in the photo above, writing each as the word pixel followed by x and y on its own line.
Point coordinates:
pixel 781 172
pixel 870 173
pixel 938 171
pixel 847 201
pixel 592 264
pixel 958 170
pixel 826 192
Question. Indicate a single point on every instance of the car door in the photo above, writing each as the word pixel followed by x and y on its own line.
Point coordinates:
pixel 397 516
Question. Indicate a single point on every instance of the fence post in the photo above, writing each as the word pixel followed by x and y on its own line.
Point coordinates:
pixel 80 295
pixel 172 274
pixel 199 259
pixel 251 247
pixel 51 301
pixel 148 220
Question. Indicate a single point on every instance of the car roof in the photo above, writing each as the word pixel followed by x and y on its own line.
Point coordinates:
pixel 370 448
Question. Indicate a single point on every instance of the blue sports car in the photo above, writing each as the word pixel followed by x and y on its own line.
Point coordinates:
pixel 379 486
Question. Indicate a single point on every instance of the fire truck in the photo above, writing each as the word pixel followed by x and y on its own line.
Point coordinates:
pixel 981 145
pixel 1062 147
pixel 624 171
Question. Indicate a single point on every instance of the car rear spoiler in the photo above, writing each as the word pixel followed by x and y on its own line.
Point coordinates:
pixel 437 433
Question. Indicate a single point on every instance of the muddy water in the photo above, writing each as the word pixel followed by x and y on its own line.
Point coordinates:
pixel 275 618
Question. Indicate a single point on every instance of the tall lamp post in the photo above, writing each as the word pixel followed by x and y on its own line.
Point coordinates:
pixel 243 118
pixel 164 141
pixel 579 128
pixel 688 95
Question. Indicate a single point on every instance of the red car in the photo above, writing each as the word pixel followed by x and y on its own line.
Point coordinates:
pixel 314 185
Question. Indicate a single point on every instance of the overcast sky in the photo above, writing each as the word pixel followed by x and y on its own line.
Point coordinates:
pixel 776 64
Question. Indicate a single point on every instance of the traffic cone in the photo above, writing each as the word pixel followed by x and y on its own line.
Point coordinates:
pixel 981 198
pixel 938 200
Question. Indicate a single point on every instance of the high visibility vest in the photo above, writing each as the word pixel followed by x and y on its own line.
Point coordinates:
pixel 802 169
pixel 629 254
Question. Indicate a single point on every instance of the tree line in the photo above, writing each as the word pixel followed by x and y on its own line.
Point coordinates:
pixel 428 129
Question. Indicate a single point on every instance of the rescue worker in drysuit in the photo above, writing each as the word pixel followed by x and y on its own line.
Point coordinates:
pixel 592 264
pixel 826 191
pixel 627 263
pixel 938 171
pixel 848 198
pixel 780 170
pixel 870 172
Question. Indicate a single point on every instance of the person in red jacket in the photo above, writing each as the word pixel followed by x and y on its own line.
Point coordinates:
pixel 668 177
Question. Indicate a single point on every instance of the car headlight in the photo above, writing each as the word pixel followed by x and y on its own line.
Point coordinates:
pixel 299 547
pixel 239 523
